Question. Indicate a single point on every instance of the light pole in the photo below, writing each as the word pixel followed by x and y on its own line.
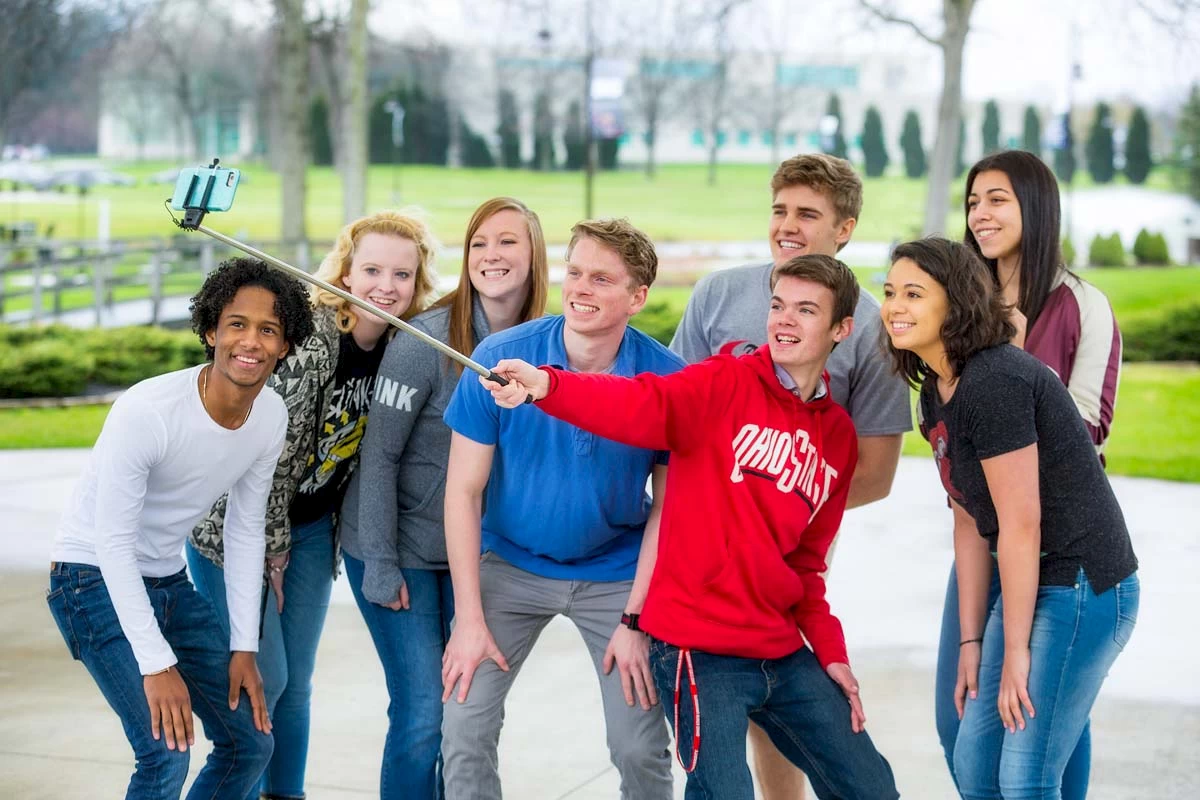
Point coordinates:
pixel 394 108
pixel 589 140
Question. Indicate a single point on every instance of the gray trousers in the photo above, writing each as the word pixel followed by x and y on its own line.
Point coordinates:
pixel 517 606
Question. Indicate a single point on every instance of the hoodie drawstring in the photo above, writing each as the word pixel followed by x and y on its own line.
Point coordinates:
pixel 685 655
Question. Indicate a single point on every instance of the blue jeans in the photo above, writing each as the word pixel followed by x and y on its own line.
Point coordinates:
pixel 410 645
pixel 80 604
pixel 1075 638
pixel 287 652
pixel 799 706
pixel 1079 766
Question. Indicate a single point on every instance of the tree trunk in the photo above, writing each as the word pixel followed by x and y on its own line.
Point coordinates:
pixel 957 15
pixel 651 140
pixel 292 66
pixel 354 117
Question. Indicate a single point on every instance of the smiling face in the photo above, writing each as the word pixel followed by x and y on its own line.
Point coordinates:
pixel 500 255
pixel 384 273
pixel 994 215
pixel 801 330
pixel 914 308
pixel 248 340
pixel 596 294
pixel 804 221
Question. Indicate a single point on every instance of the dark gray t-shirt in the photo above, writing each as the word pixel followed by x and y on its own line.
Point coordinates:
pixel 731 305
pixel 1007 400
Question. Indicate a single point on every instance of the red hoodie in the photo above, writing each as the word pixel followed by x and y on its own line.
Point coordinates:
pixel 755 493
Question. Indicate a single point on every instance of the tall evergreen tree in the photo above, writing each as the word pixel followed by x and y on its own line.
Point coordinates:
pixel 318 132
pixel 1138 162
pixel 1187 142
pixel 573 138
pixel 1100 150
pixel 991 128
pixel 874 147
pixel 509 130
pixel 837 146
pixel 543 133
pixel 1064 156
pixel 910 142
pixel 1031 136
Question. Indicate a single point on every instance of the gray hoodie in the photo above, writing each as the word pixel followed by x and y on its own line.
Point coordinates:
pixel 392 514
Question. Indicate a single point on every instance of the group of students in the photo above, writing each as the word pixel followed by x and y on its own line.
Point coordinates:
pixel 469 514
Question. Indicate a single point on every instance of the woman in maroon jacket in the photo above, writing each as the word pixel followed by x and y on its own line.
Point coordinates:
pixel 761 460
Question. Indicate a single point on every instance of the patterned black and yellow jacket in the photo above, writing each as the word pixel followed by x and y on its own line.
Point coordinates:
pixel 304 380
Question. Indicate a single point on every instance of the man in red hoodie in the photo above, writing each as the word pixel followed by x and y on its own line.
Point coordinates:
pixel 761 461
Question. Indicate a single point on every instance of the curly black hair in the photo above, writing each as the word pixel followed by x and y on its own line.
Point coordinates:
pixel 291 299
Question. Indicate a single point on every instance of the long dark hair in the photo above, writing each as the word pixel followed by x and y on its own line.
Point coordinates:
pixel 976 318
pixel 1041 218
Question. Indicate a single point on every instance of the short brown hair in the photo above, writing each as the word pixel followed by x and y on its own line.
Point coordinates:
pixel 831 176
pixel 976 316
pixel 634 247
pixel 828 272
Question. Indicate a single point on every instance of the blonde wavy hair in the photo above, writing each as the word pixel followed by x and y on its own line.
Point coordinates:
pixel 407 224
pixel 461 300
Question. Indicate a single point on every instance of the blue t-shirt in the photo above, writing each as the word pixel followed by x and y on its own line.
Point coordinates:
pixel 560 502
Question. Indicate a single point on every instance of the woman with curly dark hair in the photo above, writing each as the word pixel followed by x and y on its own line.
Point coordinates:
pixel 327 383
pixel 1028 494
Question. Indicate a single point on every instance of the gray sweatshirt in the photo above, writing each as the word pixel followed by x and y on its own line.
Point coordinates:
pixel 392 514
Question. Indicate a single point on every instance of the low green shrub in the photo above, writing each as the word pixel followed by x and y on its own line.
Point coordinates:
pixel 47 368
pixel 1068 251
pixel 124 356
pixel 1107 251
pixel 1174 337
pixel 658 319
pixel 1151 248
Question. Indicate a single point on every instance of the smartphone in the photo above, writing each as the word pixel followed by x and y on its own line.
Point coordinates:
pixel 192 188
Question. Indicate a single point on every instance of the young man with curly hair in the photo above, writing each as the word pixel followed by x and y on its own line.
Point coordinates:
pixel 119 592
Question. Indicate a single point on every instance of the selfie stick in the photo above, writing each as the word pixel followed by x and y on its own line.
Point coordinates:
pixel 195 215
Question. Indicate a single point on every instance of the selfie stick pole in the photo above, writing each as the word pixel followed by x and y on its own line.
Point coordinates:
pixel 194 224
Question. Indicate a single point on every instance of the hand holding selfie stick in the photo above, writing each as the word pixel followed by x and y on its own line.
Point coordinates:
pixel 194 215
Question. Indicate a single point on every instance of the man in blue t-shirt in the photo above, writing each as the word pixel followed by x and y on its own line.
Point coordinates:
pixel 565 513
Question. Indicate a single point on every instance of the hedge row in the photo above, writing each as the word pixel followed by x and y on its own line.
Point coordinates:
pixel 57 361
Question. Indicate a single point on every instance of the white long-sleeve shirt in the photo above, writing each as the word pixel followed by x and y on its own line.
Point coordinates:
pixel 158 466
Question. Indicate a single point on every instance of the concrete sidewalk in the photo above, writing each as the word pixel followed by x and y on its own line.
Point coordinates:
pixel 58 739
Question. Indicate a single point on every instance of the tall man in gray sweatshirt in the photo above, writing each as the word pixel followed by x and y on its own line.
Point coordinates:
pixel 816 200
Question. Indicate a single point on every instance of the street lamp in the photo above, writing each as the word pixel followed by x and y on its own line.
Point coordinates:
pixel 394 108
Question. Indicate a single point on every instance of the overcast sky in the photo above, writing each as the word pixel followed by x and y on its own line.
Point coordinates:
pixel 1018 49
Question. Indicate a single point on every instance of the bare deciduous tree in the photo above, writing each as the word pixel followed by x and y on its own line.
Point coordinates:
pixel 956 19
pixel 292 130
pixel 353 163
pixel 34 38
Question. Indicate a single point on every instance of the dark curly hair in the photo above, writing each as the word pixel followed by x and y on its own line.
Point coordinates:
pixel 291 299
pixel 976 318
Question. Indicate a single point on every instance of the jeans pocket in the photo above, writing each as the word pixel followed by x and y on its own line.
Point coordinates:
pixel 56 599
pixel 1128 597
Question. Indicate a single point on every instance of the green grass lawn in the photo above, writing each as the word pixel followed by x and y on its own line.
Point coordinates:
pixel 677 205
pixel 1156 426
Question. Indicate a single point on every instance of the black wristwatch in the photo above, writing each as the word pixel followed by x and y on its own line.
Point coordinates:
pixel 631 621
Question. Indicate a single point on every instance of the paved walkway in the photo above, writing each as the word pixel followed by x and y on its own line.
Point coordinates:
pixel 59 740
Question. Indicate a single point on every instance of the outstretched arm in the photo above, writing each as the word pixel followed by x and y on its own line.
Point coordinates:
pixel 649 411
